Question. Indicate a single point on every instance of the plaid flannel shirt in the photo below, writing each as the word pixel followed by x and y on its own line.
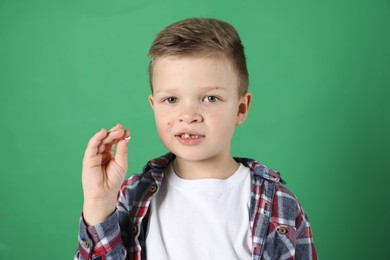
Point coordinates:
pixel 280 228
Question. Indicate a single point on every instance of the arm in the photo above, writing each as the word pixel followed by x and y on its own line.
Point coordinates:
pixel 102 176
pixel 100 240
pixel 305 246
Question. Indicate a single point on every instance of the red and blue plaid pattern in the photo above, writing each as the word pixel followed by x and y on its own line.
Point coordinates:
pixel 280 227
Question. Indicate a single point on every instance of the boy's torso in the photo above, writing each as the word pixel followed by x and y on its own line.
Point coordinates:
pixel 268 221
pixel 200 219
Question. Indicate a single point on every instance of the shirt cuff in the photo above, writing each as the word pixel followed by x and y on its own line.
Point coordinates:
pixel 99 239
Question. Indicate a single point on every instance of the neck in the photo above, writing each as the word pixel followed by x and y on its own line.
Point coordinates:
pixel 215 168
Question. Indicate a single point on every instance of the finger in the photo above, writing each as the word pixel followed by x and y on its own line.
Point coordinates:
pixel 101 148
pixel 109 148
pixel 94 142
pixel 118 125
pixel 127 136
pixel 114 136
pixel 106 157
pixel 95 161
pixel 121 156
pixel 110 140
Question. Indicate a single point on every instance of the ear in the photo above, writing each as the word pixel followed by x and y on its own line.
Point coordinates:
pixel 243 108
pixel 151 101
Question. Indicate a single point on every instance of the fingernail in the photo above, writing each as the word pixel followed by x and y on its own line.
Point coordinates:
pixel 128 138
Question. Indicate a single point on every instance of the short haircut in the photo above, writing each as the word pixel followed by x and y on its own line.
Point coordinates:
pixel 201 36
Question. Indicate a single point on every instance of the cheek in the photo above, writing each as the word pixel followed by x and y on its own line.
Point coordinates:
pixel 223 119
pixel 163 120
pixel 223 123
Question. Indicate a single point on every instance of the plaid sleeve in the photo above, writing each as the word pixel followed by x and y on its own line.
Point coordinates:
pixel 102 241
pixel 305 246
pixel 289 232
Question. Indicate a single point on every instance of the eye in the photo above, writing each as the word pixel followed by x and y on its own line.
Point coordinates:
pixel 170 100
pixel 211 99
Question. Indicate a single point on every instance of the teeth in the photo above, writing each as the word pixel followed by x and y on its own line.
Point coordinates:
pixel 187 136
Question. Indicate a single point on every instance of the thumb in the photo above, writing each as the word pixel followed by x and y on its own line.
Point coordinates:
pixel 121 156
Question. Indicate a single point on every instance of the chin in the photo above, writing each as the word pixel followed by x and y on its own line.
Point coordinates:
pixel 193 153
pixel 193 156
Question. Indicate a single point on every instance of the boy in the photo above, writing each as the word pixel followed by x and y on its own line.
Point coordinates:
pixel 197 201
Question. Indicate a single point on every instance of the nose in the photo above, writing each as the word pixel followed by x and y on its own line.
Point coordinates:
pixel 190 114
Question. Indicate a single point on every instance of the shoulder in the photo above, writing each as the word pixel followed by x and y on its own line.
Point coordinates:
pixel 286 207
pixel 289 234
pixel 137 185
pixel 260 171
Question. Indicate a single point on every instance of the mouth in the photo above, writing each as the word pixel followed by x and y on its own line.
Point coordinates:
pixel 189 136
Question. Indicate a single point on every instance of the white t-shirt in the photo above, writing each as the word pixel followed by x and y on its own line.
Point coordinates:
pixel 200 219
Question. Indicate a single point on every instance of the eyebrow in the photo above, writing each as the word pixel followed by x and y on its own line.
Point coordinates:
pixel 214 88
pixel 204 89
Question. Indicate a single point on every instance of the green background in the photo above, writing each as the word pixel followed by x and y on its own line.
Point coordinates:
pixel 319 73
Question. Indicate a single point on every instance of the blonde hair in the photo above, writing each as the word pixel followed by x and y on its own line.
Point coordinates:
pixel 201 36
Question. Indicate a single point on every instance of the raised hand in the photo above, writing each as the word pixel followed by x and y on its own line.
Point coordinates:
pixel 103 172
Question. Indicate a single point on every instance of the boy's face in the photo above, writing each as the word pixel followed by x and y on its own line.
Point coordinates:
pixel 197 106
